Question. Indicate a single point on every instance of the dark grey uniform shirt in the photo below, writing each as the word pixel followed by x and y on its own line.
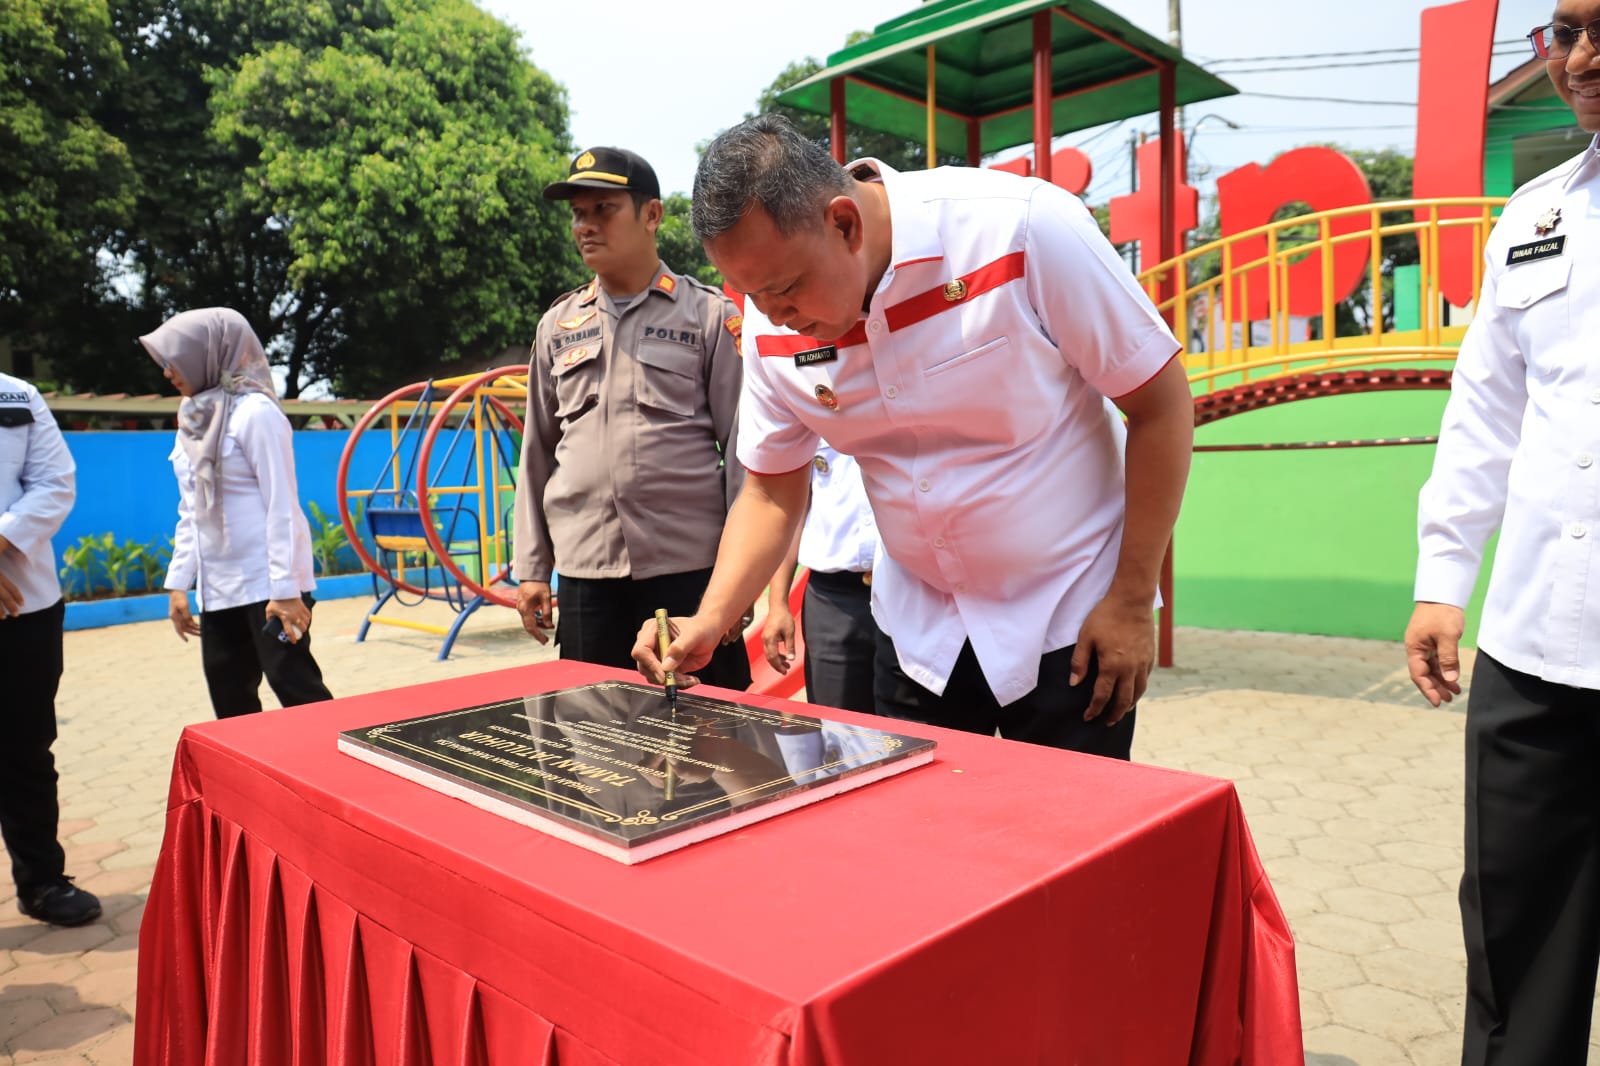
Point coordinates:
pixel 627 409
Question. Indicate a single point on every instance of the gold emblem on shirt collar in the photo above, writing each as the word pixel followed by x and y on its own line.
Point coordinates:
pixel 821 463
pixel 955 290
pixel 1548 222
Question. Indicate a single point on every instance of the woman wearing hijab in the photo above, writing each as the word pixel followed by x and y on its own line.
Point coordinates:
pixel 242 542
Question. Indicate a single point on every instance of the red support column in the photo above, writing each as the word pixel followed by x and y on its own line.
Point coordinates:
pixel 1043 103
pixel 1169 288
pixel 1169 170
pixel 836 102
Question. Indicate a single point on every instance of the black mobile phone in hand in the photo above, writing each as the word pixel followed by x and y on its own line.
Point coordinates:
pixel 274 628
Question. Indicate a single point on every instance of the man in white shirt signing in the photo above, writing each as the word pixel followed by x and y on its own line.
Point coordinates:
pixel 969 337
pixel 1518 451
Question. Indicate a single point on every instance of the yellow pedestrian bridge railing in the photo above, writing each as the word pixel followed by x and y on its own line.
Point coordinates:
pixel 1264 303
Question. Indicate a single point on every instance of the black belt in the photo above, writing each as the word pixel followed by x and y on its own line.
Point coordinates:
pixel 842 580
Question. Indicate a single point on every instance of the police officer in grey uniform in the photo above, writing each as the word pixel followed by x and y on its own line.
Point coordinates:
pixel 38 485
pixel 626 472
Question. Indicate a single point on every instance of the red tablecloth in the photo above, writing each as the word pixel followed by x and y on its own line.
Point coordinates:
pixel 1005 904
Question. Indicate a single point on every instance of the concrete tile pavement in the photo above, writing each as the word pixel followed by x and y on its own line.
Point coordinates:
pixel 1351 785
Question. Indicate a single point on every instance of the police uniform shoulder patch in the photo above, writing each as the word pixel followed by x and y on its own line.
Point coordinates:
pixel 734 324
pixel 666 284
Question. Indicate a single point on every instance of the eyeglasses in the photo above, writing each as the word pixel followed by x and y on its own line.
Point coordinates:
pixel 1556 41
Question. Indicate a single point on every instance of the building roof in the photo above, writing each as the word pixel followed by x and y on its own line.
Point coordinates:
pixel 1103 68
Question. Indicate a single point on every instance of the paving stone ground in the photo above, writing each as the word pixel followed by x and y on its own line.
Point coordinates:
pixel 1351 785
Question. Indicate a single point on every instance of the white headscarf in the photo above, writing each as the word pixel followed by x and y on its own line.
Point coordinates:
pixel 220 357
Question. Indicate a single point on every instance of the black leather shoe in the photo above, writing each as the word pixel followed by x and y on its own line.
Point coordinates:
pixel 59 903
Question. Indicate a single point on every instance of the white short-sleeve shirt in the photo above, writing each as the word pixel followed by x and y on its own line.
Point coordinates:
pixel 840 534
pixel 973 394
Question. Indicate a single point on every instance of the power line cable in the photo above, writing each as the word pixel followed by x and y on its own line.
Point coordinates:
pixel 1333 99
pixel 1326 66
pixel 1333 55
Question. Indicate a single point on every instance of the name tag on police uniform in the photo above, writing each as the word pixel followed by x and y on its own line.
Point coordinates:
pixel 825 354
pixel 1536 250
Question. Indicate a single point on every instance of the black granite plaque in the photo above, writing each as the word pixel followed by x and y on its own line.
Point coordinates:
pixel 611 768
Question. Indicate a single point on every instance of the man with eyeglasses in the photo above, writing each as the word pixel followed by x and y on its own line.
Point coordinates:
pixel 1519 450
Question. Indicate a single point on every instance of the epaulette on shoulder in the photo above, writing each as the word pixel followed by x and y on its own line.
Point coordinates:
pixel 706 287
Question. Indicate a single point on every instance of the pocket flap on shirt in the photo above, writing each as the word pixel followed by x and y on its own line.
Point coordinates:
pixel 571 358
pixel 674 358
pixel 1523 286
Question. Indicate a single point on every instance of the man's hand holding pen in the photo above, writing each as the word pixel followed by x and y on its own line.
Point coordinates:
pixel 694 640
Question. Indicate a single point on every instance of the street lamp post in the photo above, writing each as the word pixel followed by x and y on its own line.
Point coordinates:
pixel 1188 156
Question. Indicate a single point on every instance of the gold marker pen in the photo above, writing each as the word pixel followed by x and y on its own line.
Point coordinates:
pixel 663 642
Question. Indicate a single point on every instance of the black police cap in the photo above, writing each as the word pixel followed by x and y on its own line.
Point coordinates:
pixel 606 168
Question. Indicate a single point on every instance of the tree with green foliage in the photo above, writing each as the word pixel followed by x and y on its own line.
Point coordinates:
pixel 66 184
pixel 676 243
pixel 360 178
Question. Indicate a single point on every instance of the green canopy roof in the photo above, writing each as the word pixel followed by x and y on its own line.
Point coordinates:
pixel 984 71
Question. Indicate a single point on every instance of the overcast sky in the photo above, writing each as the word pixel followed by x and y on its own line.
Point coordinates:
pixel 661 77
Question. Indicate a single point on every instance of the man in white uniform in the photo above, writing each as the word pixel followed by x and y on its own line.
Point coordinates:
pixel 1518 450
pixel 38 485
pixel 968 336
pixel 837 544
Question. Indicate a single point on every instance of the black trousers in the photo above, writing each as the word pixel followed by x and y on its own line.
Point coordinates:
pixel 1530 898
pixel 1052 714
pixel 30 664
pixel 599 618
pixel 235 653
pixel 841 641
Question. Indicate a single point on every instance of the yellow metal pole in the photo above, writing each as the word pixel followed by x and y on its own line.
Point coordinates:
pixel 1227 304
pixel 933 133
pixel 1325 232
pixel 480 405
pixel 1274 293
pixel 1436 322
pixel 1377 275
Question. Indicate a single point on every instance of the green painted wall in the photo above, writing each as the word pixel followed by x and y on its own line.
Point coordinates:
pixel 1530 115
pixel 1308 541
pixel 1408 297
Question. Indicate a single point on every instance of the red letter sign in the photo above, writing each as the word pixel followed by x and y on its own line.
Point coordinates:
pixel 1137 217
pixel 1452 112
pixel 1247 197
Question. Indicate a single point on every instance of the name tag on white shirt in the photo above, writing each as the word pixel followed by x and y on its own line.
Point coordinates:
pixel 1536 250
pixel 812 356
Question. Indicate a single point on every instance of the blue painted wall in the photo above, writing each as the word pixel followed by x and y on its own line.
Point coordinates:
pixel 126 485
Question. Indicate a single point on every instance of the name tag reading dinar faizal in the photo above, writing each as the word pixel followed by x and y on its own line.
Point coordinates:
pixel 1548 248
